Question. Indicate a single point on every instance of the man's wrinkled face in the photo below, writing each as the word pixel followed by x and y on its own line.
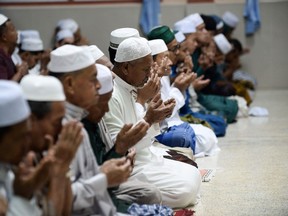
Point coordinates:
pixel 97 111
pixel 85 86
pixel 138 71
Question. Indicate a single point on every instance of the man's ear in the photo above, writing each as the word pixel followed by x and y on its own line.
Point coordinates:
pixel 124 68
pixel 68 84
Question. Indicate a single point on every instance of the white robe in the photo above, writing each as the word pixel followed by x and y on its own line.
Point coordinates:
pixel 179 183
pixel 206 140
pixel 89 185
pixel 17 206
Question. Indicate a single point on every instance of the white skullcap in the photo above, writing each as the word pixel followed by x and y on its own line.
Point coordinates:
pixel 104 76
pixel 222 43
pixel 119 35
pixel 64 33
pixel 32 45
pixel 131 49
pixel 219 25
pixel 29 34
pixel 18 37
pixel 95 51
pixel 230 19
pixel 70 24
pixel 157 46
pixel 196 19
pixel 3 19
pixel 42 88
pixel 180 37
pixel 13 106
pixel 185 26
pixel 69 58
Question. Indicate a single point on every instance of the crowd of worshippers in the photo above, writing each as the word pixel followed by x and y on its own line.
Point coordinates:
pixel 85 134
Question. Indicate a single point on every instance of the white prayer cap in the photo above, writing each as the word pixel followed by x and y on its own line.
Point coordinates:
pixel 185 26
pixel 24 34
pixel 18 37
pixel 230 19
pixel 69 58
pixel 119 35
pixel 180 37
pixel 104 76
pixel 64 33
pixel 70 24
pixel 157 46
pixel 96 52
pixel 222 43
pixel 219 25
pixel 13 106
pixel 131 49
pixel 42 88
pixel 3 19
pixel 32 45
pixel 196 19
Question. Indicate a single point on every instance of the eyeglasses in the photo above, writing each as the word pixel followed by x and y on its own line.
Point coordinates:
pixel 175 48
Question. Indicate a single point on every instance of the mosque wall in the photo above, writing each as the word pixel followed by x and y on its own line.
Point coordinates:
pixel 267 61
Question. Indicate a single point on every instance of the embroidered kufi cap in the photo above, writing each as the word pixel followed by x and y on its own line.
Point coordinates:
pixel 70 24
pixel 161 32
pixel 104 76
pixel 32 45
pixel 42 88
pixel 119 35
pixel 222 43
pixel 69 58
pixel 230 19
pixel 131 49
pixel 157 46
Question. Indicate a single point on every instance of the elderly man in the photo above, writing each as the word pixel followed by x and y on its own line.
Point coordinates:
pixel 46 99
pixel 205 139
pixel 8 42
pixel 178 183
pixel 18 181
pixel 132 191
pixel 75 68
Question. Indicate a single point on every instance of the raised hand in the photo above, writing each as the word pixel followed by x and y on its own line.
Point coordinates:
pixel 30 178
pixel 183 80
pixel 150 88
pixel 200 83
pixel 117 171
pixel 129 135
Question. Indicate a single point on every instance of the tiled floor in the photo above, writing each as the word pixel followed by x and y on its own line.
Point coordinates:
pixel 252 167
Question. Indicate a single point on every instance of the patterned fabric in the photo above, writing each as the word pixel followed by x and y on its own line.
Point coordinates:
pixel 149 210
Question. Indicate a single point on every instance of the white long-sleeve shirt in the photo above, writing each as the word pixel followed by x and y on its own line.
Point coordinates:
pixel 89 185
pixel 17 206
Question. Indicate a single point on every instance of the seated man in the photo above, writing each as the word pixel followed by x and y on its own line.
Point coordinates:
pixel 204 141
pixel 17 181
pixel 132 191
pixel 179 183
pixel 75 68
pixel 46 99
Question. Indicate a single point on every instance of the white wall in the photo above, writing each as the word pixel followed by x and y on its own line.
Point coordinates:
pixel 267 61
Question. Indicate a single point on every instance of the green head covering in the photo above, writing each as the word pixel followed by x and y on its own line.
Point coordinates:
pixel 161 32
